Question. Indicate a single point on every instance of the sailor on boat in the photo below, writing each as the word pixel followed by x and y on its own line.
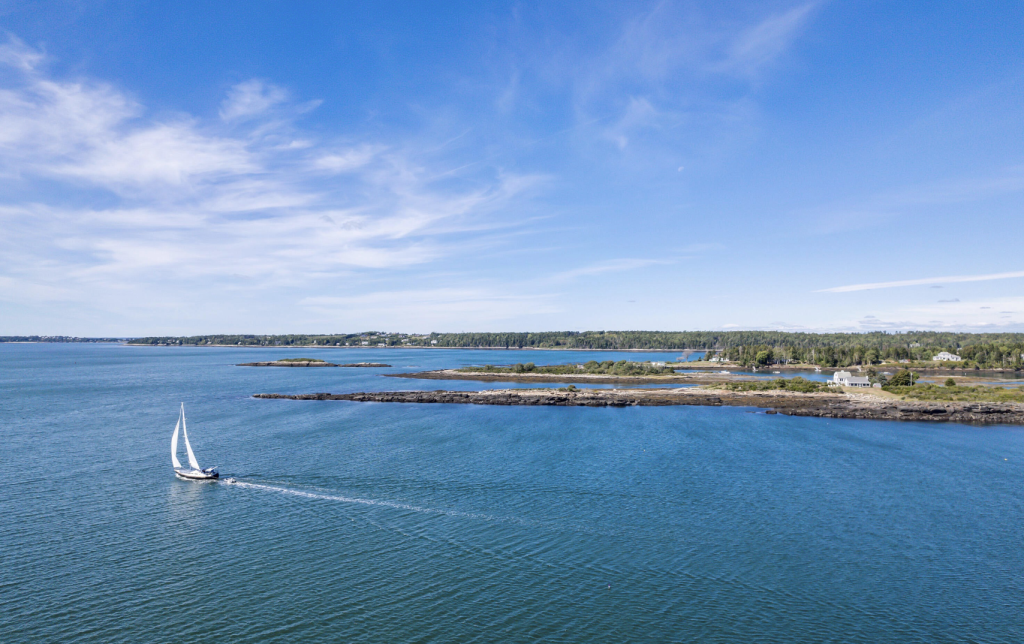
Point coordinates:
pixel 193 471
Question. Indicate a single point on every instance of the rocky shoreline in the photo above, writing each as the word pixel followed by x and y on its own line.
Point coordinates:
pixel 310 363
pixel 822 405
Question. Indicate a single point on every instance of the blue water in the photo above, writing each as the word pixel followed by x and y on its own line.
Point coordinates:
pixel 361 522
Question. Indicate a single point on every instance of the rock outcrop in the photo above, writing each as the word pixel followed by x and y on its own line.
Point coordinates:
pixel 822 405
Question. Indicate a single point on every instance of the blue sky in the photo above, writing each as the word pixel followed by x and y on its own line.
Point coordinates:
pixel 331 167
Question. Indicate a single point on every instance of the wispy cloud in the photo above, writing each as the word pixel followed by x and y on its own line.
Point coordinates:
pixel 609 266
pixel 114 203
pixel 951 315
pixel 921 282
pixel 251 98
pixel 762 43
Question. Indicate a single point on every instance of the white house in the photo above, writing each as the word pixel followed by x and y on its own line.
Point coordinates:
pixel 947 356
pixel 847 379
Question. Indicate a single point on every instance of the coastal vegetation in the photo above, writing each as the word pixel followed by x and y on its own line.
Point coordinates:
pixel 747 348
pixel 798 384
pixel 955 393
pixel 593 367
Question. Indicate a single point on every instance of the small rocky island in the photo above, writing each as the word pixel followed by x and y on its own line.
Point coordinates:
pixel 793 403
pixel 309 362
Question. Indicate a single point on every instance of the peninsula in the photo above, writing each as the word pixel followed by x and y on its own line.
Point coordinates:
pixel 569 377
pixel 607 372
pixel 792 403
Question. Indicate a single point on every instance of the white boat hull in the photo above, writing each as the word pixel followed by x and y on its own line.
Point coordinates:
pixel 196 475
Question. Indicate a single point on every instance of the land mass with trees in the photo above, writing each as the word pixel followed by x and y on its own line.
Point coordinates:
pixel 1003 351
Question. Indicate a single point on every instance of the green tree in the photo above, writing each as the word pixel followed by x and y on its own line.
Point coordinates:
pixel 901 378
pixel 950 382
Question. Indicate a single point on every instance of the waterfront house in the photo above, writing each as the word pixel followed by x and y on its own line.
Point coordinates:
pixel 847 379
pixel 947 356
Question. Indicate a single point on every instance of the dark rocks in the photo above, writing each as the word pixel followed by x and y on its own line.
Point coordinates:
pixel 792 404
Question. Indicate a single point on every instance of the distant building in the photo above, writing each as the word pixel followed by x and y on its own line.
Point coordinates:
pixel 657 364
pixel 947 356
pixel 847 379
pixel 433 342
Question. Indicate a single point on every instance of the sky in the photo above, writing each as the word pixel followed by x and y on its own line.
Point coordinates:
pixel 282 167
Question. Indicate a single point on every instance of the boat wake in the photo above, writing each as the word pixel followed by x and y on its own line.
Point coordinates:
pixel 372 502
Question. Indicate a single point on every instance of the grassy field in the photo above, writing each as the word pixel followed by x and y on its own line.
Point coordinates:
pixel 797 384
pixel 958 394
pixel 608 367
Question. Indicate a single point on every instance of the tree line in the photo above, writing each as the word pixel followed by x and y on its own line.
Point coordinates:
pixel 982 350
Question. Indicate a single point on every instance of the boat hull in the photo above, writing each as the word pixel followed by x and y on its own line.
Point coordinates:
pixel 196 475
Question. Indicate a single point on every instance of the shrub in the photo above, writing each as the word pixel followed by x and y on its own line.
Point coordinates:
pixel 902 378
pixel 950 382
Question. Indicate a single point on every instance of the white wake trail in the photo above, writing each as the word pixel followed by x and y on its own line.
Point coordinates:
pixel 374 502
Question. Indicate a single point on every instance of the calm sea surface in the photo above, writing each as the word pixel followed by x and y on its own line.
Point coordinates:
pixel 359 522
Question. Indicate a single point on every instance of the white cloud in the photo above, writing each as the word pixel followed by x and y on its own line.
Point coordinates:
pixel 15 54
pixel 608 266
pixel 996 314
pixel 347 160
pixel 762 43
pixel 921 282
pixel 119 210
pixel 251 98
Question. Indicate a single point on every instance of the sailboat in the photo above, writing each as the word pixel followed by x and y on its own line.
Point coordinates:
pixel 193 471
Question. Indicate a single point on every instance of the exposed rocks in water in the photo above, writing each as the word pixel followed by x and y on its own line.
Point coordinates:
pixel 310 363
pixel 823 405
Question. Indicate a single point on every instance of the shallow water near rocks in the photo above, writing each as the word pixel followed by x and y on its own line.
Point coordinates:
pixel 433 523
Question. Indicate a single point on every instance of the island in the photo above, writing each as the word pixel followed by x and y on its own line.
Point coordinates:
pixel 309 362
pixel 623 372
pixel 977 405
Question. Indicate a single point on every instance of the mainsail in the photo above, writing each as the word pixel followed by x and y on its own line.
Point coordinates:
pixel 174 442
pixel 191 457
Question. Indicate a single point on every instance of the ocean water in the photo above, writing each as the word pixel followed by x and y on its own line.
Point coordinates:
pixel 362 522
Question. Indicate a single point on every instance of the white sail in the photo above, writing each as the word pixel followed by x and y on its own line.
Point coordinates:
pixel 191 457
pixel 174 445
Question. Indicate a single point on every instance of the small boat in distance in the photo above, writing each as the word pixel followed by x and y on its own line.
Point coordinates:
pixel 194 471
